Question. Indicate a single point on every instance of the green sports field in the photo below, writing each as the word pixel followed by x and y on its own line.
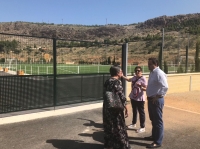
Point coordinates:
pixel 42 69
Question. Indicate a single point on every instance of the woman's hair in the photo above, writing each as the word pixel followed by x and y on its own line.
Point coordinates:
pixel 114 70
pixel 138 67
pixel 154 61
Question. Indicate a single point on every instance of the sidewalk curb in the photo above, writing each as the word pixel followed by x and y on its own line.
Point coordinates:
pixel 38 115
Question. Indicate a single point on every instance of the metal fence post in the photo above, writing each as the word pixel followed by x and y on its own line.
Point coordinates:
pixel 124 64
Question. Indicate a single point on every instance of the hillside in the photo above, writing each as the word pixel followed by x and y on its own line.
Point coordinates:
pixel 143 38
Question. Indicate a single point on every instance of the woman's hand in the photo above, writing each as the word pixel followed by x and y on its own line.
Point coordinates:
pixel 139 84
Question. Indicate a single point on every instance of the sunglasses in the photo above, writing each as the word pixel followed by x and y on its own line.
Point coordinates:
pixel 137 70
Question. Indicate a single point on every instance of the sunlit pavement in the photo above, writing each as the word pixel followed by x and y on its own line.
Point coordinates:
pixel 83 130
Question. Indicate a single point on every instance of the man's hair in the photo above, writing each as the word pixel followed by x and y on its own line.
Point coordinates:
pixel 114 70
pixel 138 67
pixel 154 61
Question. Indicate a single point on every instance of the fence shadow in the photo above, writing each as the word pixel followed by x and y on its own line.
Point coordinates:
pixel 96 135
pixel 73 144
pixel 92 123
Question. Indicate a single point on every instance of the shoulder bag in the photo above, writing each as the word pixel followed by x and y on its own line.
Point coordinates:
pixel 113 100
pixel 136 88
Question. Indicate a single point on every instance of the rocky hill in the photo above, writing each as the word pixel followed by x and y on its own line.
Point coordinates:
pixel 166 21
pixel 143 38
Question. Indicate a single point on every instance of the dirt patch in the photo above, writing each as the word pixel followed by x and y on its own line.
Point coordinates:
pixel 186 100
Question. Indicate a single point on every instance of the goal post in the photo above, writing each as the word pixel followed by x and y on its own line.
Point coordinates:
pixel 11 64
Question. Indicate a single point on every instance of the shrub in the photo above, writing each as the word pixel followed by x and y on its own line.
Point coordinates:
pixel 165 67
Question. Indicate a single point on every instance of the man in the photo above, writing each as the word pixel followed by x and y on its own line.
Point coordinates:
pixel 156 90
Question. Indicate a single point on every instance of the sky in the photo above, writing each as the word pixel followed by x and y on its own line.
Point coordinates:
pixel 93 12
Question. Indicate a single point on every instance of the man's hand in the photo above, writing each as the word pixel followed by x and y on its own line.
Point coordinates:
pixel 154 99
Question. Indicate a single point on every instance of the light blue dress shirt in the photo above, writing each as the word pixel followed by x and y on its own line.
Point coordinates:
pixel 157 83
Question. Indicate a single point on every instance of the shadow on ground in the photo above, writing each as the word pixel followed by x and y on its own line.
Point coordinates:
pixel 73 144
pixel 97 135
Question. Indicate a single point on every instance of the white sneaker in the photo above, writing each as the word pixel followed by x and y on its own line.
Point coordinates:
pixel 132 126
pixel 140 130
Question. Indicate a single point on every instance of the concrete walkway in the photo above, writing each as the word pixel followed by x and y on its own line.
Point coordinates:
pixel 22 116
pixel 80 127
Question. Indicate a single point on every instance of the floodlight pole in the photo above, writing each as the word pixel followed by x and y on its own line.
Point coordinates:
pixel 161 61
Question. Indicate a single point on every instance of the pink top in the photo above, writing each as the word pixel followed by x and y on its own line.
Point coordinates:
pixel 136 93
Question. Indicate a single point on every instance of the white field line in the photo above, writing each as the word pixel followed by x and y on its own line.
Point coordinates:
pixel 67 70
pixel 182 109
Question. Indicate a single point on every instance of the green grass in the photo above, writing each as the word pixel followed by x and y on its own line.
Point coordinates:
pixel 42 69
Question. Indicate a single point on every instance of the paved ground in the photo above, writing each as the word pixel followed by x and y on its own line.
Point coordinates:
pixel 186 100
pixel 83 130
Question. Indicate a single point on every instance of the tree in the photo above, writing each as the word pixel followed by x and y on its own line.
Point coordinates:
pixel 113 62
pixel 180 69
pixel 126 40
pixel 109 60
pixel 165 67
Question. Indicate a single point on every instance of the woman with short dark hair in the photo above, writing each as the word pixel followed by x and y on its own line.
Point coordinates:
pixel 138 86
pixel 115 131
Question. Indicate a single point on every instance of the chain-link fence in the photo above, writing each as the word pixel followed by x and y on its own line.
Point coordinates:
pixel 43 72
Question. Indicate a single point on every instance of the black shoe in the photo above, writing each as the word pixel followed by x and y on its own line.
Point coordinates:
pixel 153 145
pixel 150 138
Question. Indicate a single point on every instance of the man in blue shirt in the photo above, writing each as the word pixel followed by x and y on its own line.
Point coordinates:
pixel 156 90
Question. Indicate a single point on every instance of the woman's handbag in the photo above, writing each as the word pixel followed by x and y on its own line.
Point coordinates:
pixel 113 100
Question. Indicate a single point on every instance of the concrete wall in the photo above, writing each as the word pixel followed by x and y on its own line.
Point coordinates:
pixel 177 83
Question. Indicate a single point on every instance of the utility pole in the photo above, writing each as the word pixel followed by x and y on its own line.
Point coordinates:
pixel 186 60
pixel 161 50
pixel 179 49
pixel 188 39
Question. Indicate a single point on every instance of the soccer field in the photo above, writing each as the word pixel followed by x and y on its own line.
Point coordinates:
pixel 42 69
pixel 45 69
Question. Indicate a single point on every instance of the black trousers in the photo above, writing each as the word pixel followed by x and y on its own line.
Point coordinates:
pixel 138 106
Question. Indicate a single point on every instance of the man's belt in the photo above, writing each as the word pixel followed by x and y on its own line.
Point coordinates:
pixel 150 98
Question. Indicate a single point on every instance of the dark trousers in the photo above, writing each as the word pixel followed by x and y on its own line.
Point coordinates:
pixel 155 115
pixel 138 106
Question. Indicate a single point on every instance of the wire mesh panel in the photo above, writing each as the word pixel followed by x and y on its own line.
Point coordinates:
pixel 41 72
pixel 19 93
pixel 92 87
pixel 27 55
pixel 79 88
